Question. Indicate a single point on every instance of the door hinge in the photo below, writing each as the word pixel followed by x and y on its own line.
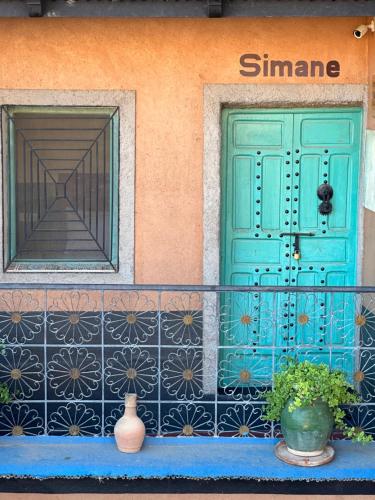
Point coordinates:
pixel 215 8
pixel 36 8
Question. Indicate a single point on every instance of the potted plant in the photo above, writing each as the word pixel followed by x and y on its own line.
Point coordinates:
pixel 307 399
pixel 5 396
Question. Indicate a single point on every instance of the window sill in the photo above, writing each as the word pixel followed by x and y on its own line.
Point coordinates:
pixel 211 460
pixel 23 267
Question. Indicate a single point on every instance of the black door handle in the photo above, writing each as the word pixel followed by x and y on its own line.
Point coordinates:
pixel 296 234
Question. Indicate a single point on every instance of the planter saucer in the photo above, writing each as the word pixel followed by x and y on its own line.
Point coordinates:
pixel 282 453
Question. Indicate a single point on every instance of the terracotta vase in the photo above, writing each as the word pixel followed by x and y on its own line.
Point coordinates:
pixel 129 429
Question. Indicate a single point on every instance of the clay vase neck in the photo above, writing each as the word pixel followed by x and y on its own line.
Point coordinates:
pixel 129 429
pixel 130 411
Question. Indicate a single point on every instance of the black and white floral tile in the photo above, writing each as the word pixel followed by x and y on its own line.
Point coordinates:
pixel 69 364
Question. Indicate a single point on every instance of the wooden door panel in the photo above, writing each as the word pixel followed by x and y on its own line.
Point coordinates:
pixel 273 163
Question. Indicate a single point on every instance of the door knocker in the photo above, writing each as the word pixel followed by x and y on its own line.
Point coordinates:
pixel 325 193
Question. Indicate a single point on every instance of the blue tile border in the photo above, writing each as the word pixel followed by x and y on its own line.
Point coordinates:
pixel 202 458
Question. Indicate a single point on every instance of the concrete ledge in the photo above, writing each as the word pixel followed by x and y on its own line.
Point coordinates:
pixel 47 457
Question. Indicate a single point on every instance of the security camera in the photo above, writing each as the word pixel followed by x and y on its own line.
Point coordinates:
pixel 360 31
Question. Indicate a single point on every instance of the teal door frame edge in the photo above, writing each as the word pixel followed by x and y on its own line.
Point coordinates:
pixel 217 96
pixel 273 161
pixel 283 124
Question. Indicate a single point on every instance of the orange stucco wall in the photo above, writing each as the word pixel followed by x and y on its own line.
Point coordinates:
pixel 167 62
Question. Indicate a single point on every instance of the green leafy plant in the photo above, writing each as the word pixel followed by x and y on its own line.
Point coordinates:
pixel 302 383
pixel 5 396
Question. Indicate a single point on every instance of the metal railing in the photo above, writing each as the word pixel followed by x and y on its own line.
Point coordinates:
pixel 200 358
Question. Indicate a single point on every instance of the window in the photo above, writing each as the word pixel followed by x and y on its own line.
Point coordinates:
pixel 61 188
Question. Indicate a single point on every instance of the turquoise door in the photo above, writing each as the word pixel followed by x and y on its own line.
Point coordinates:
pixel 273 162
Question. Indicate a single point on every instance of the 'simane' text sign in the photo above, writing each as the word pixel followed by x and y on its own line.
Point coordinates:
pixel 253 65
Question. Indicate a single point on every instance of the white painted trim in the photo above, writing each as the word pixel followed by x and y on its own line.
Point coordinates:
pixel 361 196
pixel 125 100
pixel 369 202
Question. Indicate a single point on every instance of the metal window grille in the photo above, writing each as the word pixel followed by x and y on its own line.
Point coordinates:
pixel 62 187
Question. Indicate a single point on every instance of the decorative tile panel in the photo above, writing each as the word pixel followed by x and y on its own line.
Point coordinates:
pixel 200 365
